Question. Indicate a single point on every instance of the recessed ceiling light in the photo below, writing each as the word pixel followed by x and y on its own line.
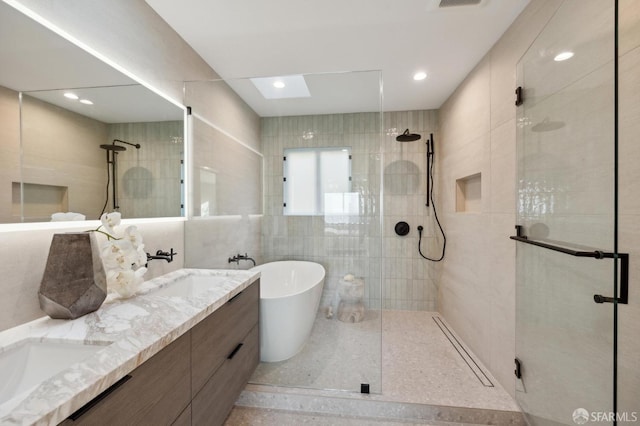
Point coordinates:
pixel 279 84
pixel 86 102
pixel 420 76
pixel 70 95
pixel 563 56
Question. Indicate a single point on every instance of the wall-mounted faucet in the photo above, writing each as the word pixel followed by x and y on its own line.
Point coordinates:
pixel 238 257
pixel 162 255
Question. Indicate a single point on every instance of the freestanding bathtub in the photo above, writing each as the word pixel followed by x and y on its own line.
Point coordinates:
pixel 289 298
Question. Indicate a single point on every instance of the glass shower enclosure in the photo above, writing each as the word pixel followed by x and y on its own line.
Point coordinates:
pixel 320 186
pixel 570 277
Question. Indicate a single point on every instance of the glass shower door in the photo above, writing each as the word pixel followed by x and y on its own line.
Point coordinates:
pixel 321 195
pixel 566 210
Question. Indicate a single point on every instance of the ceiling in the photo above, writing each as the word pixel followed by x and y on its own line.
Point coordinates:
pixel 257 38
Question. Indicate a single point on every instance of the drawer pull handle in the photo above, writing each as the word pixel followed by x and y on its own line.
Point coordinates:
pixel 231 300
pixel 89 405
pixel 233 353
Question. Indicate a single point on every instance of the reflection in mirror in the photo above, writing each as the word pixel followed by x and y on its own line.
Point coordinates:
pixel 58 106
pixel 220 186
pixel 70 162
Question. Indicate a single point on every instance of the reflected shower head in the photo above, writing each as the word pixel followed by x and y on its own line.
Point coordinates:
pixel 547 125
pixel 408 137
pixel 113 147
pixel 137 145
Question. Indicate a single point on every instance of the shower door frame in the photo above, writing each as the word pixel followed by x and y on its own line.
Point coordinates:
pixel 620 271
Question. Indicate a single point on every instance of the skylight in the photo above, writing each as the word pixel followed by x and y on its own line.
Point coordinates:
pixel 291 86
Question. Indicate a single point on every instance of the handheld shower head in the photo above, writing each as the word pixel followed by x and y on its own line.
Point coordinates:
pixel 408 137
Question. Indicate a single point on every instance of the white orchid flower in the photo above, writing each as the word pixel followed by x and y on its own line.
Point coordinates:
pixel 125 282
pixel 141 257
pixel 110 220
pixel 132 234
pixel 118 254
pixel 123 256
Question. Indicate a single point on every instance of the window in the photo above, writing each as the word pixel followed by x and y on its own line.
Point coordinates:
pixel 317 181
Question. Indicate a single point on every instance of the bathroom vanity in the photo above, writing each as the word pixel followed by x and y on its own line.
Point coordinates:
pixel 195 353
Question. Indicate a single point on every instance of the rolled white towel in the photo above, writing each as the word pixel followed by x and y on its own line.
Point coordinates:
pixel 348 277
pixel 65 217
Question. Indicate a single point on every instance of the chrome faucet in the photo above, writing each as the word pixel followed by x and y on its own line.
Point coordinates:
pixel 162 255
pixel 238 257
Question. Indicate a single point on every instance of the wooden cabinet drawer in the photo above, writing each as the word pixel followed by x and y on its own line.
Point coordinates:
pixel 215 400
pixel 216 336
pixel 211 364
pixel 156 393
pixel 184 419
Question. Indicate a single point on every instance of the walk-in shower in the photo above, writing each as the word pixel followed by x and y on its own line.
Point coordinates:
pixel 355 183
pixel 112 170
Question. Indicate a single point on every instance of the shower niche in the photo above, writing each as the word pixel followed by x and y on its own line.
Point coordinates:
pixel 36 201
pixel 469 194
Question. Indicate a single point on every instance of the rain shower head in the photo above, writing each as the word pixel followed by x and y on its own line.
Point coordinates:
pixel 408 137
pixel 113 147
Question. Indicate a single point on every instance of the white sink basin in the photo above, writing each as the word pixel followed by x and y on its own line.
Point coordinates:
pixel 189 286
pixel 29 363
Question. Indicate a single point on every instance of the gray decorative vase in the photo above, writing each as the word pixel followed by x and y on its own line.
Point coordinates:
pixel 74 281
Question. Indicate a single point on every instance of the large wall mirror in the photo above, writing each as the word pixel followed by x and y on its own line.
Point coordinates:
pixel 78 137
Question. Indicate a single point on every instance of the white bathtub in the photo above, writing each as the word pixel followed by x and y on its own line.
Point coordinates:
pixel 289 298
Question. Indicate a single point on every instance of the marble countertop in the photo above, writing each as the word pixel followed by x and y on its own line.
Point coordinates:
pixel 131 330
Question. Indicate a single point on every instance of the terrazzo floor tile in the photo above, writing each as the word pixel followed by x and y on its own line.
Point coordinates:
pixel 244 416
pixel 411 361
pixel 421 365
pixel 337 355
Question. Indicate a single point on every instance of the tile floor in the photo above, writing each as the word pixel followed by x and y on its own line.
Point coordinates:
pixel 413 360
pixel 246 416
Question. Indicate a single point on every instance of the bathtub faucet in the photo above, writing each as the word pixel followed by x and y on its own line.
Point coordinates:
pixel 238 257
pixel 162 255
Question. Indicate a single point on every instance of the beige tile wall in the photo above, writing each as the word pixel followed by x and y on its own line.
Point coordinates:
pixel 477 124
pixel 361 248
pixel 9 150
pixel 62 148
pixel 149 177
